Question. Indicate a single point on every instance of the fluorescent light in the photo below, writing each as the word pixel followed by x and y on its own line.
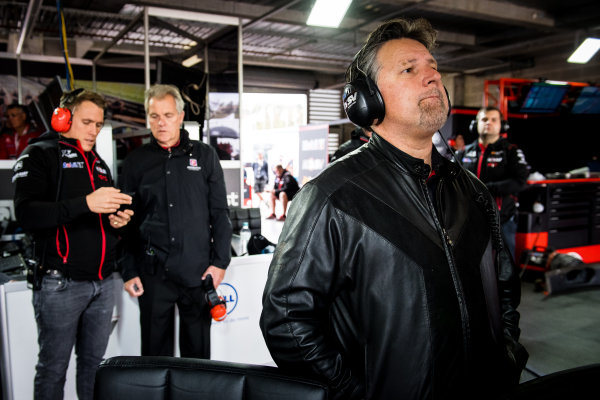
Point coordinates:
pixel 562 83
pixel 193 60
pixel 328 13
pixel 585 51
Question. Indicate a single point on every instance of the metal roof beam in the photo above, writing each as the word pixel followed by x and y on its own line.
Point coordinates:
pixel 33 10
pixel 136 21
pixel 177 30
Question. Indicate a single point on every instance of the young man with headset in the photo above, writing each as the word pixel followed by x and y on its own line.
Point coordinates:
pixel 64 196
pixel 390 280
pixel 500 165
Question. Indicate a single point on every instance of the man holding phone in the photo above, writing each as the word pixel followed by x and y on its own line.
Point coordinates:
pixel 64 196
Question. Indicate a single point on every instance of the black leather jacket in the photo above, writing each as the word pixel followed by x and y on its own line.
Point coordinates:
pixel 376 282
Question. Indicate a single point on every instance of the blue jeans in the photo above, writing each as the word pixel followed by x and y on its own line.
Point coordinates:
pixel 509 229
pixel 71 313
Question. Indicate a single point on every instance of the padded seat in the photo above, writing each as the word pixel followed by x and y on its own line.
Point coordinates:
pixel 240 215
pixel 154 378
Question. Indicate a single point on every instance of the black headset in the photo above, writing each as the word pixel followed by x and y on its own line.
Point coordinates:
pixel 362 99
pixel 363 102
pixel 504 126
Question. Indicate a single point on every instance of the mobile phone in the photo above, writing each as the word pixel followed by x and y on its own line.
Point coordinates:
pixel 123 207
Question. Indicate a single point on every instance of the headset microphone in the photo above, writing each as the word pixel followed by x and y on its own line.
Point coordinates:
pixel 218 307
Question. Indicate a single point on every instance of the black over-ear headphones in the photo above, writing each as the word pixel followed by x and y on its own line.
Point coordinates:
pixel 504 126
pixel 363 102
pixel 62 117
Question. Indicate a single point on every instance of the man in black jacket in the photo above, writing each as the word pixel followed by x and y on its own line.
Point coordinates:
pixel 181 230
pixel 500 165
pixel 64 196
pixel 390 279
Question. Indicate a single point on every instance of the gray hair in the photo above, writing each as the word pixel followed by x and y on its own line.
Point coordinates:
pixel 160 92
pixel 365 61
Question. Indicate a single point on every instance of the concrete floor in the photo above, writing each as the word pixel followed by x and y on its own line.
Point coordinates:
pixel 560 331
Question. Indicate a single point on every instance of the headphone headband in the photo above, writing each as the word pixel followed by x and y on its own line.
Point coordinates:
pixel 68 98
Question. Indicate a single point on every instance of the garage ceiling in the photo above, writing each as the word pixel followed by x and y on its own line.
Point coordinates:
pixel 476 37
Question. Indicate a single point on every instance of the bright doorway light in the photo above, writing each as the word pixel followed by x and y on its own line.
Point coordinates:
pixel 328 13
pixel 585 51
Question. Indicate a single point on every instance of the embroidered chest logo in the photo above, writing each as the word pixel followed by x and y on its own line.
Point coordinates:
pixel 100 169
pixel 68 154
pixel 193 165
pixel 74 164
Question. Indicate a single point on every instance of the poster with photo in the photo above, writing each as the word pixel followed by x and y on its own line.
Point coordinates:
pixel 224 124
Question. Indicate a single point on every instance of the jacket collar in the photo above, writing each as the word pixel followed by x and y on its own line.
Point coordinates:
pixel 183 147
pixel 53 135
pixel 493 146
pixel 48 135
pixel 415 166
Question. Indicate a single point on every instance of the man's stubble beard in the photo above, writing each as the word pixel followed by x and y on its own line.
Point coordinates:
pixel 432 116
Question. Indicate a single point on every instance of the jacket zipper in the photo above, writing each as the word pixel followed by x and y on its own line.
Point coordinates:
pixel 103 233
pixel 448 249
pixel 66 255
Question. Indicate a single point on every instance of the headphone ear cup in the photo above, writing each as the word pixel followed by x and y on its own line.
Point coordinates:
pixel 504 126
pixel 473 127
pixel 363 103
pixel 61 119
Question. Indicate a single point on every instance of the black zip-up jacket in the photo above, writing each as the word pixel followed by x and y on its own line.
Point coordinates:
pixel 69 237
pixel 180 207
pixel 503 170
pixel 376 282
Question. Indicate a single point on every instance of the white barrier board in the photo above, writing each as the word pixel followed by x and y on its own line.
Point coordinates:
pixel 236 339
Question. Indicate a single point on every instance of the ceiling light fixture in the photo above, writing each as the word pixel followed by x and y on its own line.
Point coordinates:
pixel 585 51
pixel 193 60
pixel 328 13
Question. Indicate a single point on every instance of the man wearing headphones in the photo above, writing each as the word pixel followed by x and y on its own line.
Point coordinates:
pixel 390 280
pixel 64 196
pixel 500 165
